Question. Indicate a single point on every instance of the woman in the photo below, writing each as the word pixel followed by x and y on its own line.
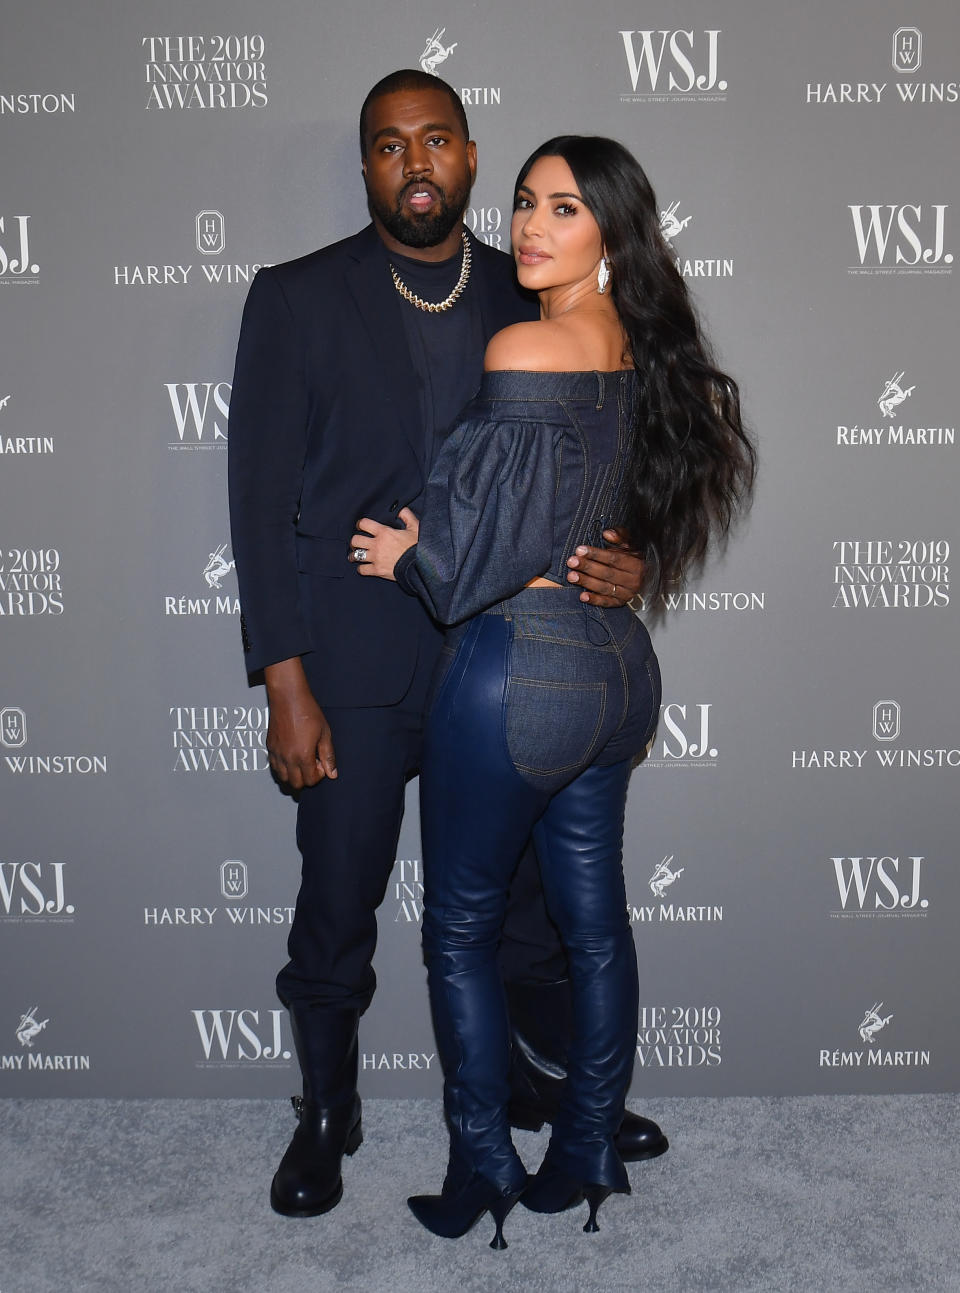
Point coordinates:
pixel 606 411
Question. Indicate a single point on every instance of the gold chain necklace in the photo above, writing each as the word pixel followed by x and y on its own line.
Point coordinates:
pixel 452 299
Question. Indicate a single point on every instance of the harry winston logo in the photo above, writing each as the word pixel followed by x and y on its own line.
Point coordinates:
pixel 907 49
pixel 434 52
pixel 13 727
pixel 210 233
pixel 886 720
pixel 233 878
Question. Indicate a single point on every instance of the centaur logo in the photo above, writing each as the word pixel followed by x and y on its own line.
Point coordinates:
pixel 893 394
pixel 672 65
pixel 434 52
pixel 238 1037
pixel 217 568
pixel 670 225
pixel 879 886
pixel 904 239
pixel 872 1023
pixel 28 1027
pixel 200 413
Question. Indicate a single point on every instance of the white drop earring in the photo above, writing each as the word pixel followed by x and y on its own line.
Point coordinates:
pixel 603 276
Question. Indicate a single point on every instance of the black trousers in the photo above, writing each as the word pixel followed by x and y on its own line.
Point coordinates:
pixel 347 833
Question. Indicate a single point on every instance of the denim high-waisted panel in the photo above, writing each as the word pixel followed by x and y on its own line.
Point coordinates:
pixel 580 686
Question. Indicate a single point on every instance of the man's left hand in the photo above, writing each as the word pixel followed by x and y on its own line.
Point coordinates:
pixel 609 576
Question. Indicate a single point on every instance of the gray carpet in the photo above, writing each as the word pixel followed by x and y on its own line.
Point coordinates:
pixel 818 1193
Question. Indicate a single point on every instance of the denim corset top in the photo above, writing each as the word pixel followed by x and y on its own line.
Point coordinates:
pixel 533 467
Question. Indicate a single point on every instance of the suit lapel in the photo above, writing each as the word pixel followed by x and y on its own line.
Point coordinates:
pixel 368 280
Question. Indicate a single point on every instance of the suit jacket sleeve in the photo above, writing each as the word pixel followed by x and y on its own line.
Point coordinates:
pixel 488 520
pixel 267 450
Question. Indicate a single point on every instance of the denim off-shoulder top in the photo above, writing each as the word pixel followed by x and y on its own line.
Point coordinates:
pixel 533 467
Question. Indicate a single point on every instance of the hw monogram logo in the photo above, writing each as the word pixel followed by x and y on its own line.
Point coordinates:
pixel 686 60
pixel 886 720
pixel 233 878
pixel 13 727
pixel 900 236
pixel 907 49
pixel 210 233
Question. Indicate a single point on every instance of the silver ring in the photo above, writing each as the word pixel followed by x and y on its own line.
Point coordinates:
pixel 614 593
pixel 360 554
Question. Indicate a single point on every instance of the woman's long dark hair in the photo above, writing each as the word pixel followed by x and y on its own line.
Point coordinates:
pixel 691 462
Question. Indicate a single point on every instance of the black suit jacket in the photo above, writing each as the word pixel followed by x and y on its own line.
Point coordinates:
pixel 324 429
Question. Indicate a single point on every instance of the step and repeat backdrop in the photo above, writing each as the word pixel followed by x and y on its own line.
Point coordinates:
pixel 791 848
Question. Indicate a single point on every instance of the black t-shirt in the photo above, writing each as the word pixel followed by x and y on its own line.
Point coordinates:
pixel 446 348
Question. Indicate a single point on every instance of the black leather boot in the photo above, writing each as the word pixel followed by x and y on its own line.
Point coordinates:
pixel 540 1029
pixel 308 1180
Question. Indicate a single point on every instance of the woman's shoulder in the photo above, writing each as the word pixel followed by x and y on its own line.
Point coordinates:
pixel 541 346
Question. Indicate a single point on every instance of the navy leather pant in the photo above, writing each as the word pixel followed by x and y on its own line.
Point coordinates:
pixel 540 706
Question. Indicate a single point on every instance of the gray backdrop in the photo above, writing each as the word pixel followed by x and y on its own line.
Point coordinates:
pixel 790 857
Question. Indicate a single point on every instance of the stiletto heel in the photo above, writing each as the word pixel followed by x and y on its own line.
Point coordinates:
pixel 594 1195
pixel 500 1210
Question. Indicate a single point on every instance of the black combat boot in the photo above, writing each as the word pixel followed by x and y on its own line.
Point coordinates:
pixel 308 1180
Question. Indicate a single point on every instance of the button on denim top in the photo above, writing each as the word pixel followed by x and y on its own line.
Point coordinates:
pixel 533 467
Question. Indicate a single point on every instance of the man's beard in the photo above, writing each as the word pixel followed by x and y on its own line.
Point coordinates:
pixel 425 230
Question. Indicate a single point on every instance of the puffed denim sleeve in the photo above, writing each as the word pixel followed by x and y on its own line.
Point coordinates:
pixel 487 526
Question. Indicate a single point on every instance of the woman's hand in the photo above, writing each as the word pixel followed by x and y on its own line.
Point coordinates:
pixel 377 549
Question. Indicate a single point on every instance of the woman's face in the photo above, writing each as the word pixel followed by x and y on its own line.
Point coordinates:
pixel 556 240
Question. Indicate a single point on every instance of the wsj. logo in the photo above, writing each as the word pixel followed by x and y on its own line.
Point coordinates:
pixel 13 727
pixel 666 63
pixel 434 52
pixel 200 413
pixel 900 237
pixel 873 885
pixel 29 1027
pixel 907 49
pixel 886 720
pixel 893 394
pixel 17 265
pixel 210 233
pixel 217 568
pixel 233 878
pixel 873 1022
pixel 688 734
pixel 670 226
pixel 237 1036
pixel 32 889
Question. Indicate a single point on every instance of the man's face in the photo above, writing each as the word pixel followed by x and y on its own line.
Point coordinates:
pixel 418 169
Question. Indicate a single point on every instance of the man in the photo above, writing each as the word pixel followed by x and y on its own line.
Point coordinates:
pixel 352 363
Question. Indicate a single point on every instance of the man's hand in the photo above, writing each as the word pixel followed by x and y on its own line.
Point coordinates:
pixel 299 741
pixel 609 576
pixel 382 545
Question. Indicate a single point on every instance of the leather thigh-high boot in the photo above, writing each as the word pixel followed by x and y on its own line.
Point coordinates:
pixel 579 842
pixel 308 1182
pixel 476 815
